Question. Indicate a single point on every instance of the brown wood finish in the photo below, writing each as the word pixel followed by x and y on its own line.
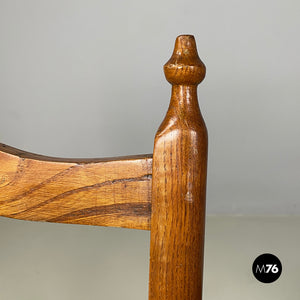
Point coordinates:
pixel 127 191
pixel 108 192
pixel 179 183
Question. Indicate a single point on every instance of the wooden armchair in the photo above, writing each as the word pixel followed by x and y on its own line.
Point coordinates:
pixel 164 193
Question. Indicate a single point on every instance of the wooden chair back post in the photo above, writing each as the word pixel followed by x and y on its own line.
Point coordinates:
pixel 164 193
pixel 179 183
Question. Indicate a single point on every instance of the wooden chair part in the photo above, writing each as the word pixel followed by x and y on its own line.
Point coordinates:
pixel 164 194
pixel 179 183
pixel 105 192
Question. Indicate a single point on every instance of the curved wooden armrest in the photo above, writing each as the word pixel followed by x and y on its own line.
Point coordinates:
pixel 121 192
pixel 106 191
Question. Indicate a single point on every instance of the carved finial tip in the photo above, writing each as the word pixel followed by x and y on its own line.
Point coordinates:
pixel 185 66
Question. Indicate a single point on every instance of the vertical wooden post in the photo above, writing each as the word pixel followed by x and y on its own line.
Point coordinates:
pixel 179 183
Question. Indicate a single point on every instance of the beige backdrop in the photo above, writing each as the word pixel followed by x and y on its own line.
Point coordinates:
pixel 41 261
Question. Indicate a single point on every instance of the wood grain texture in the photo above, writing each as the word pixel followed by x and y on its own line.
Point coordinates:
pixel 179 183
pixel 107 192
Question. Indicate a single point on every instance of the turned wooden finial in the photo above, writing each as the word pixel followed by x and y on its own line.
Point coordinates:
pixel 185 67
pixel 179 183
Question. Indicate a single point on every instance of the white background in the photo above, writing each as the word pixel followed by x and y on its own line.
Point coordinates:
pixel 84 78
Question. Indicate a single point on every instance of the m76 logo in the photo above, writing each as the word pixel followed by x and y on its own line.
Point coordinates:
pixel 267 268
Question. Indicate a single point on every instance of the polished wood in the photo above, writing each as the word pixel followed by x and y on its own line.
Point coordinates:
pixel 165 194
pixel 179 183
pixel 108 192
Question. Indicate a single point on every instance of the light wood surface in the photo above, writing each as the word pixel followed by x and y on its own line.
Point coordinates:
pixel 107 192
pixel 179 183
pixel 165 194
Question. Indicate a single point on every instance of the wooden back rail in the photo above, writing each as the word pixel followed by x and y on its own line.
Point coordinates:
pixel 164 193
